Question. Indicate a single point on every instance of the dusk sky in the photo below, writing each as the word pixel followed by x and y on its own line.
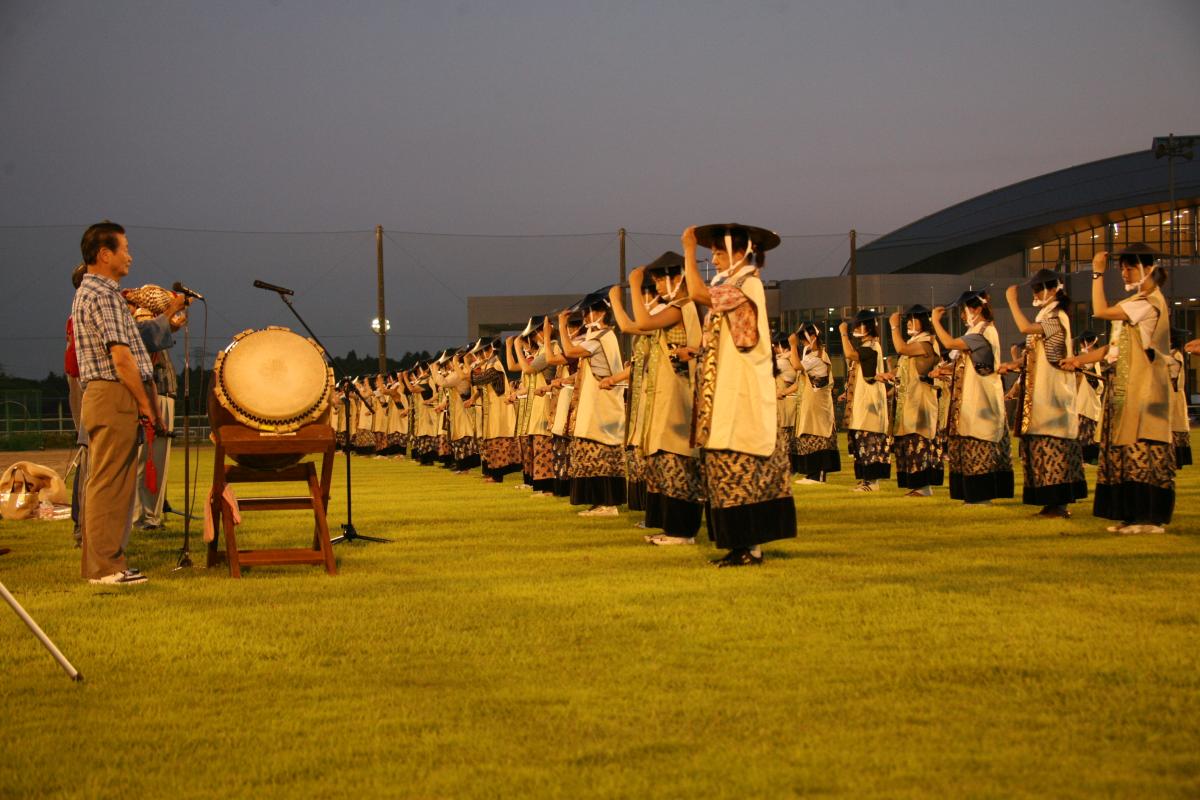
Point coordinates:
pixel 242 140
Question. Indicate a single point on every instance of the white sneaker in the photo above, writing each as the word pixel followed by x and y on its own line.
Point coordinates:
pixel 866 486
pixel 600 511
pixel 522 487
pixel 807 482
pixel 125 578
pixel 1139 529
pixel 663 540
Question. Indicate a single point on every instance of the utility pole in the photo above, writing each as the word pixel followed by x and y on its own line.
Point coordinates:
pixel 383 325
pixel 853 271
pixel 621 240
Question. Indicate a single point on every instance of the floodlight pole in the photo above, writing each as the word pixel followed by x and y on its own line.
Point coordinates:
pixel 379 299
pixel 853 271
pixel 621 243
pixel 1172 147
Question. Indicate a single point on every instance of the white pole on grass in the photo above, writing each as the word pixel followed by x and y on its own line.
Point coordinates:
pixel 42 637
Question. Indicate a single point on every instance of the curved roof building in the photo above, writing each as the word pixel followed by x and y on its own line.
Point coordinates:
pixel 1055 220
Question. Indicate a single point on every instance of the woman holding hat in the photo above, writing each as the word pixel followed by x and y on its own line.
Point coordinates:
pixel 745 467
pixel 814 451
pixel 560 399
pixel 536 374
pixel 634 373
pixel 519 398
pixel 1135 483
pixel 979 455
pixel 597 453
pixel 499 450
pixel 1088 392
pixel 675 489
pixel 915 422
pixel 787 386
pixel 1046 417
pixel 464 450
pixel 1181 432
pixel 866 414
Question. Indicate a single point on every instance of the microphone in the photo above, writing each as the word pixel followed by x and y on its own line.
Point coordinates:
pixel 183 290
pixel 272 287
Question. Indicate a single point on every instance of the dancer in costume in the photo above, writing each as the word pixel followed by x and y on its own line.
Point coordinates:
pixel 977 430
pixel 1181 431
pixel 1089 388
pixel 499 450
pixel 814 452
pixel 915 441
pixel 637 492
pixel 675 488
pixel 866 413
pixel 745 468
pixel 597 454
pixel 1135 484
pixel 536 374
pixel 1046 418
pixel 787 387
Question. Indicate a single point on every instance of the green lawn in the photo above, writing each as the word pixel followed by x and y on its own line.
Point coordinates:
pixel 503 647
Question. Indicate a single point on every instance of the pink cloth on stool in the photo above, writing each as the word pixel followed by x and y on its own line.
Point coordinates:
pixel 228 500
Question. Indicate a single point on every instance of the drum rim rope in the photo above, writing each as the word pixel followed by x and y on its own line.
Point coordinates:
pixel 288 424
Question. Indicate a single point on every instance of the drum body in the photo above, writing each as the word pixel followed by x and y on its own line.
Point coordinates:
pixel 274 381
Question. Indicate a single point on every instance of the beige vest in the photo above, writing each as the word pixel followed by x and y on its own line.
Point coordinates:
pixel 1048 401
pixel 815 414
pixel 916 400
pixel 1142 388
pixel 639 398
pixel 1179 410
pixel 743 405
pixel 981 413
pixel 785 407
pixel 462 419
pixel 562 404
pixel 870 410
pixel 600 416
pixel 669 427
pixel 539 422
pixel 500 418
pixel 1087 399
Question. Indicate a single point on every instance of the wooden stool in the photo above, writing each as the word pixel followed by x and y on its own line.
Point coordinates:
pixel 238 440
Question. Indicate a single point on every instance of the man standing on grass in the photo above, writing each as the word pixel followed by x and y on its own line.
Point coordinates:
pixel 113 365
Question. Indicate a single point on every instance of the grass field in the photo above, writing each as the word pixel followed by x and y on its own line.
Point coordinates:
pixel 504 647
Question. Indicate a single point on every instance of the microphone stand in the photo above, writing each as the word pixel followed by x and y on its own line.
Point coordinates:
pixel 349 533
pixel 185 556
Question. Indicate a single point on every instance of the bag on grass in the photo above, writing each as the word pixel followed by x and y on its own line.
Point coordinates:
pixel 24 485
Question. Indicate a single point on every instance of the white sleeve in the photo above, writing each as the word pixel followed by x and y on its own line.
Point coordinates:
pixel 591 345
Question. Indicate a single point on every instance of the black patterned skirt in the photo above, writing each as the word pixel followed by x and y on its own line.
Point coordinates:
pixel 1053 471
pixel 813 454
pixel 500 456
pixel 979 470
pixel 597 473
pixel 872 454
pixel 749 498
pixel 1087 440
pixel 635 481
pixel 465 452
pixel 918 462
pixel 676 504
pixel 543 462
pixel 1183 448
pixel 561 447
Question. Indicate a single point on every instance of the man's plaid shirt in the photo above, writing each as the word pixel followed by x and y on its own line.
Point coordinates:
pixel 102 318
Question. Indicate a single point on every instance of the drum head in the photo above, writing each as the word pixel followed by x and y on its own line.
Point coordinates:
pixel 273 379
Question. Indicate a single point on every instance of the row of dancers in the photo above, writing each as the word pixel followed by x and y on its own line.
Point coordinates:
pixel 711 417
